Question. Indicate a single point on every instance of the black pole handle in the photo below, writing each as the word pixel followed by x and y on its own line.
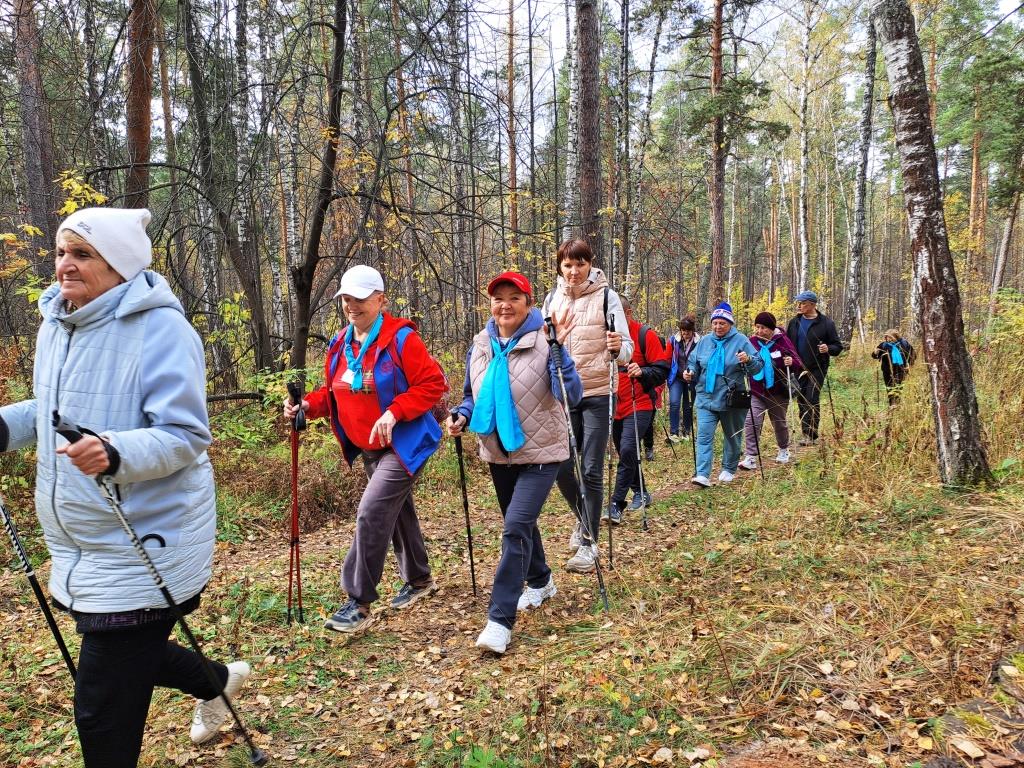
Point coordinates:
pixel 295 393
pixel 65 429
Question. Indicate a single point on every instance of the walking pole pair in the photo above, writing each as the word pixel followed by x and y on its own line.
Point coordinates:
pixel 613 380
pixel 26 565
pixel 581 513
pixel 465 499
pixel 73 434
pixel 294 563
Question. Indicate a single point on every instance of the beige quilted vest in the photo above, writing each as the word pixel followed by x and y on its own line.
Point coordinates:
pixel 540 414
pixel 586 343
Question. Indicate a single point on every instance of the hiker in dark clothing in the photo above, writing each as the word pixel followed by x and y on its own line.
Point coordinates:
pixel 680 346
pixel 814 336
pixel 896 355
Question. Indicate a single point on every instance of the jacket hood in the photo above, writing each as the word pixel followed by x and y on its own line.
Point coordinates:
pixel 732 332
pixel 534 322
pixel 147 290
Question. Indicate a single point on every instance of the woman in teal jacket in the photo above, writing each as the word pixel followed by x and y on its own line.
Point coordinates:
pixel 116 355
pixel 722 359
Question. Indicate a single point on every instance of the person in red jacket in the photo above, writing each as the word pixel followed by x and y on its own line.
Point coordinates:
pixel 634 411
pixel 381 384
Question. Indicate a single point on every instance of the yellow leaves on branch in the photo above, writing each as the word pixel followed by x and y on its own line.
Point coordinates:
pixel 78 193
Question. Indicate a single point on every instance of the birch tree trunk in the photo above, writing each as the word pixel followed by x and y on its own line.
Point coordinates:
pixel 805 70
pixel 510 99
pixel 620 164
pixel 961 456
pixel 717 190
pixel 570 197
pixel 588 45
pixel 853 280
pixel 1005 241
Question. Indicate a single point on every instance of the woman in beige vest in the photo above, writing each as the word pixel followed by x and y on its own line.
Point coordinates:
pixel 513 402
pixel 582 293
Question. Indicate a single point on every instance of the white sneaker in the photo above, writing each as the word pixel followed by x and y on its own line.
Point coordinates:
pixel 532 598
pixel 210 714
pixel 576 539
pixel 783 457
pixel 749 463
pixel 726 476
pixel 700 480
pixel 494 638
pixel 584 559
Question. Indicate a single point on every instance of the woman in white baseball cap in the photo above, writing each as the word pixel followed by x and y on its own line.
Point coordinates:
pixel 116 356
pixel 380 386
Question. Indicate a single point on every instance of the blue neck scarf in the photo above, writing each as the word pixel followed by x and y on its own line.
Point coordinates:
pixel 895 353
pixel 354 361
pixel 494 409
pixel 716 364
pixel 767 373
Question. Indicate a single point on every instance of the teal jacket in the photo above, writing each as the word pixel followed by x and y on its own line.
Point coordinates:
pixel 130 367
pixel 734 371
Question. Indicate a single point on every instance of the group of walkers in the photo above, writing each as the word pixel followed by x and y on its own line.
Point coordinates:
pixel 545 390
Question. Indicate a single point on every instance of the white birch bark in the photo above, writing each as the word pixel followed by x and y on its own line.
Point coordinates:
pixel 571 194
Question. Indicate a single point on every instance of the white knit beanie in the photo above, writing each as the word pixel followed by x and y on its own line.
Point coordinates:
pixel 117 234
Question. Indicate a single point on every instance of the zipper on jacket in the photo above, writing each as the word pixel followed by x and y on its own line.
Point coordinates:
pixel 70 331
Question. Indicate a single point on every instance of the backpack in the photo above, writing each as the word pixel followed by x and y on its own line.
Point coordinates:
pixel 653 393
pixel 438 410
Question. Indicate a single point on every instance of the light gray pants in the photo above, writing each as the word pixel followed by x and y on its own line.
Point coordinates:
pixel 386 515
pixel 776 409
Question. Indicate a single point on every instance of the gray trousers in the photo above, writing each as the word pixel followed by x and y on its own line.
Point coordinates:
pixel 386 515
pixel 776 409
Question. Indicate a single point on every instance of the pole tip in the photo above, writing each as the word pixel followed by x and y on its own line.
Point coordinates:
pixel 258 757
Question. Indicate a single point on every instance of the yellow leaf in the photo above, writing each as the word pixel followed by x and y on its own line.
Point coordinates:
pixel 968 747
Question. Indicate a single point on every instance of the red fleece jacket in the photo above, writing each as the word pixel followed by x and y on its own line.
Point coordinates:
pixel 630 388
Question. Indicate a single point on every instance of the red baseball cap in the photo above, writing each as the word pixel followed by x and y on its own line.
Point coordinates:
pixel 518 280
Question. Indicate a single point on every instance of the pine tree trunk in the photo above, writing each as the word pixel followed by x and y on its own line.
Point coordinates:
pixel 974 211
pixel 141 23
pixel 588 45
pixel 961 455
pixel 36 136
pixel 853 281
pixel 716 290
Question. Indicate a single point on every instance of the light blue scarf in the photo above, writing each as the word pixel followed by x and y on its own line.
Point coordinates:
pixel 895 353
pixel 354 361
pixel 716 364
pixel 494 409
pixel 767 373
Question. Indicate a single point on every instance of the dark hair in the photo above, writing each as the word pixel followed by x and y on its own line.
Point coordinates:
pixel 688 323
pixel 576 249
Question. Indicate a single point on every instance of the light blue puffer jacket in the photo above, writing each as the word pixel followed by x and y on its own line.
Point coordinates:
pixel 128 366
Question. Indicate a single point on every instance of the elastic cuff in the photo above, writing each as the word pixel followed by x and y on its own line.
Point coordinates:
pixel 5 435
pixel 113 457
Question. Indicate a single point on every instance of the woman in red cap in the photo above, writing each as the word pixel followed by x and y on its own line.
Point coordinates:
pixel 513 402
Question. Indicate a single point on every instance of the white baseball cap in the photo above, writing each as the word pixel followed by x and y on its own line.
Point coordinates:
pixel 360 281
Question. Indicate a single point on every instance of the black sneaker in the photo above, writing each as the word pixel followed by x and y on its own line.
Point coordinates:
pixel 649 456
pixel 615 513
pixel 348 618
pixel 409 594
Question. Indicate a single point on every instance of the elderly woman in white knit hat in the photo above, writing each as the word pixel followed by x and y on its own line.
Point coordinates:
pixel 116 356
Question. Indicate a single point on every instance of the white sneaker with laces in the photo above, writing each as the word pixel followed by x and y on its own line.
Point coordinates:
pixel 701 481
pixel 783 457
pixel 584 559
pixel 494 638
pixel 575 540
pixel 749 463
pixel 726 476
pixel 532 598
pixel 210 714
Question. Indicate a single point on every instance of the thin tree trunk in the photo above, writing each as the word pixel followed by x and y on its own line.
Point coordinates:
pixel 408 236
pixel 570 197
pixel 141 24
pixel 974 216
pixel 805 70
pixel 510 100
pixel 718 153
pixel 999 269
pixel 853 281
pixel 588 43
pixel 961 455
pixel 97 129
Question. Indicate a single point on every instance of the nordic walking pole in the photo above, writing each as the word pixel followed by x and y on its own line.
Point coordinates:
pixel 465 499
pixel 693 427
pixel 789 385
pixel 26 565
pixel 73 434
pixel 294 562
pixel 613 380
pixel 753 423
pixel 671 445
pixel 639 462
pixel 831 405
pixel 582 514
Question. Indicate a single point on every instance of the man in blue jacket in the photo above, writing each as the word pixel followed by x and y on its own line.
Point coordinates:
pixel 814 335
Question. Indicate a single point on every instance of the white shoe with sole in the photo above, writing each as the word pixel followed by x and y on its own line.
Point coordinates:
pixel 576 539
pixel 494 638
pixel 749 463
pixel 783 457
pixel 726 476
pixel 212 713
pixel 701 481
pixel 584 559
pixel 532 598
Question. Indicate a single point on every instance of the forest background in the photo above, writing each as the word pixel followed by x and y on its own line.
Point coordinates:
pixel 709 150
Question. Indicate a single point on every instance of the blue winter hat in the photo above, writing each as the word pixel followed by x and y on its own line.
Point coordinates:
pixel 723 311
pixel 807 296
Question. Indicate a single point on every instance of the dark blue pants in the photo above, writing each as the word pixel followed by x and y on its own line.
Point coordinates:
pixel 808 400
pixel 680 394
pixel 590 425
pixel 522 490
pixel 624 433
pixel 117 672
